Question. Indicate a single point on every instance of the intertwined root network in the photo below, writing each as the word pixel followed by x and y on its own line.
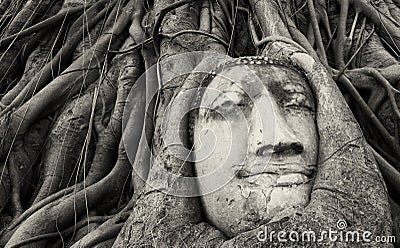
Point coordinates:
pixel 67 68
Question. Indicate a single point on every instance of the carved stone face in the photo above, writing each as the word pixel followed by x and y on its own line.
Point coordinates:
pixel 274 165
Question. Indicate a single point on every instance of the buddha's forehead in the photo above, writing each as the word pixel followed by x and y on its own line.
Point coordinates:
pixel 255 79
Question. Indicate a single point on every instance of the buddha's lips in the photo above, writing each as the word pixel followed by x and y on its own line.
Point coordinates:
pixel 283 180
pixel 285 175
pixel 277 169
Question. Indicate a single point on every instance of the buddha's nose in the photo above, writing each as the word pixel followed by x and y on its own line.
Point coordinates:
pixel 284 141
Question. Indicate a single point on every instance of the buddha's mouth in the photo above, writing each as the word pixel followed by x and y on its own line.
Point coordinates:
pixel 283 175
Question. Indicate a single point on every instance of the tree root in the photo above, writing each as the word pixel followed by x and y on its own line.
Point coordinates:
pixel 34 64
pixel 61 59
pixel 317 33
pixel 369 114
pixel 48 23
pixel 22 159
pixel 390 90
pixel 269 16
pixel 103 157
pixel 25 18
pixel 58 91
pixel 160 18
pixel 65 142
pixel 390 174
pixel 109 229
pixel 60 215
pixel 340 42
pixel 68 231
pixel 107 145
pixel 4 6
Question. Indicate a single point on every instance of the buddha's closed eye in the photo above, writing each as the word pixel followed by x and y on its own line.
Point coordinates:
pixel 298 101
pixel 296 98
pixel 232 102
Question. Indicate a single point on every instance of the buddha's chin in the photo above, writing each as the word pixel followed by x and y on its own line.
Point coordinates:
pixel 241 205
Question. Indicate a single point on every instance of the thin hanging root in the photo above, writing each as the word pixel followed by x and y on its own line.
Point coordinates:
pixel 341 36
pixel 395 147
pixel 9 13
pixel 330 40
pixel 134 48
pixel 29 13
pixel 388 28
pixel 390 90
pixel 212 36
pixel 349 39
pixel 353 27
pixel 48 23
pixel 360 35
pixel 357 51
pixel 317 33
pixel 4 5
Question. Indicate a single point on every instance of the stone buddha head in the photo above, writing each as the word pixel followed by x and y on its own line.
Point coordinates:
pixel 263 131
